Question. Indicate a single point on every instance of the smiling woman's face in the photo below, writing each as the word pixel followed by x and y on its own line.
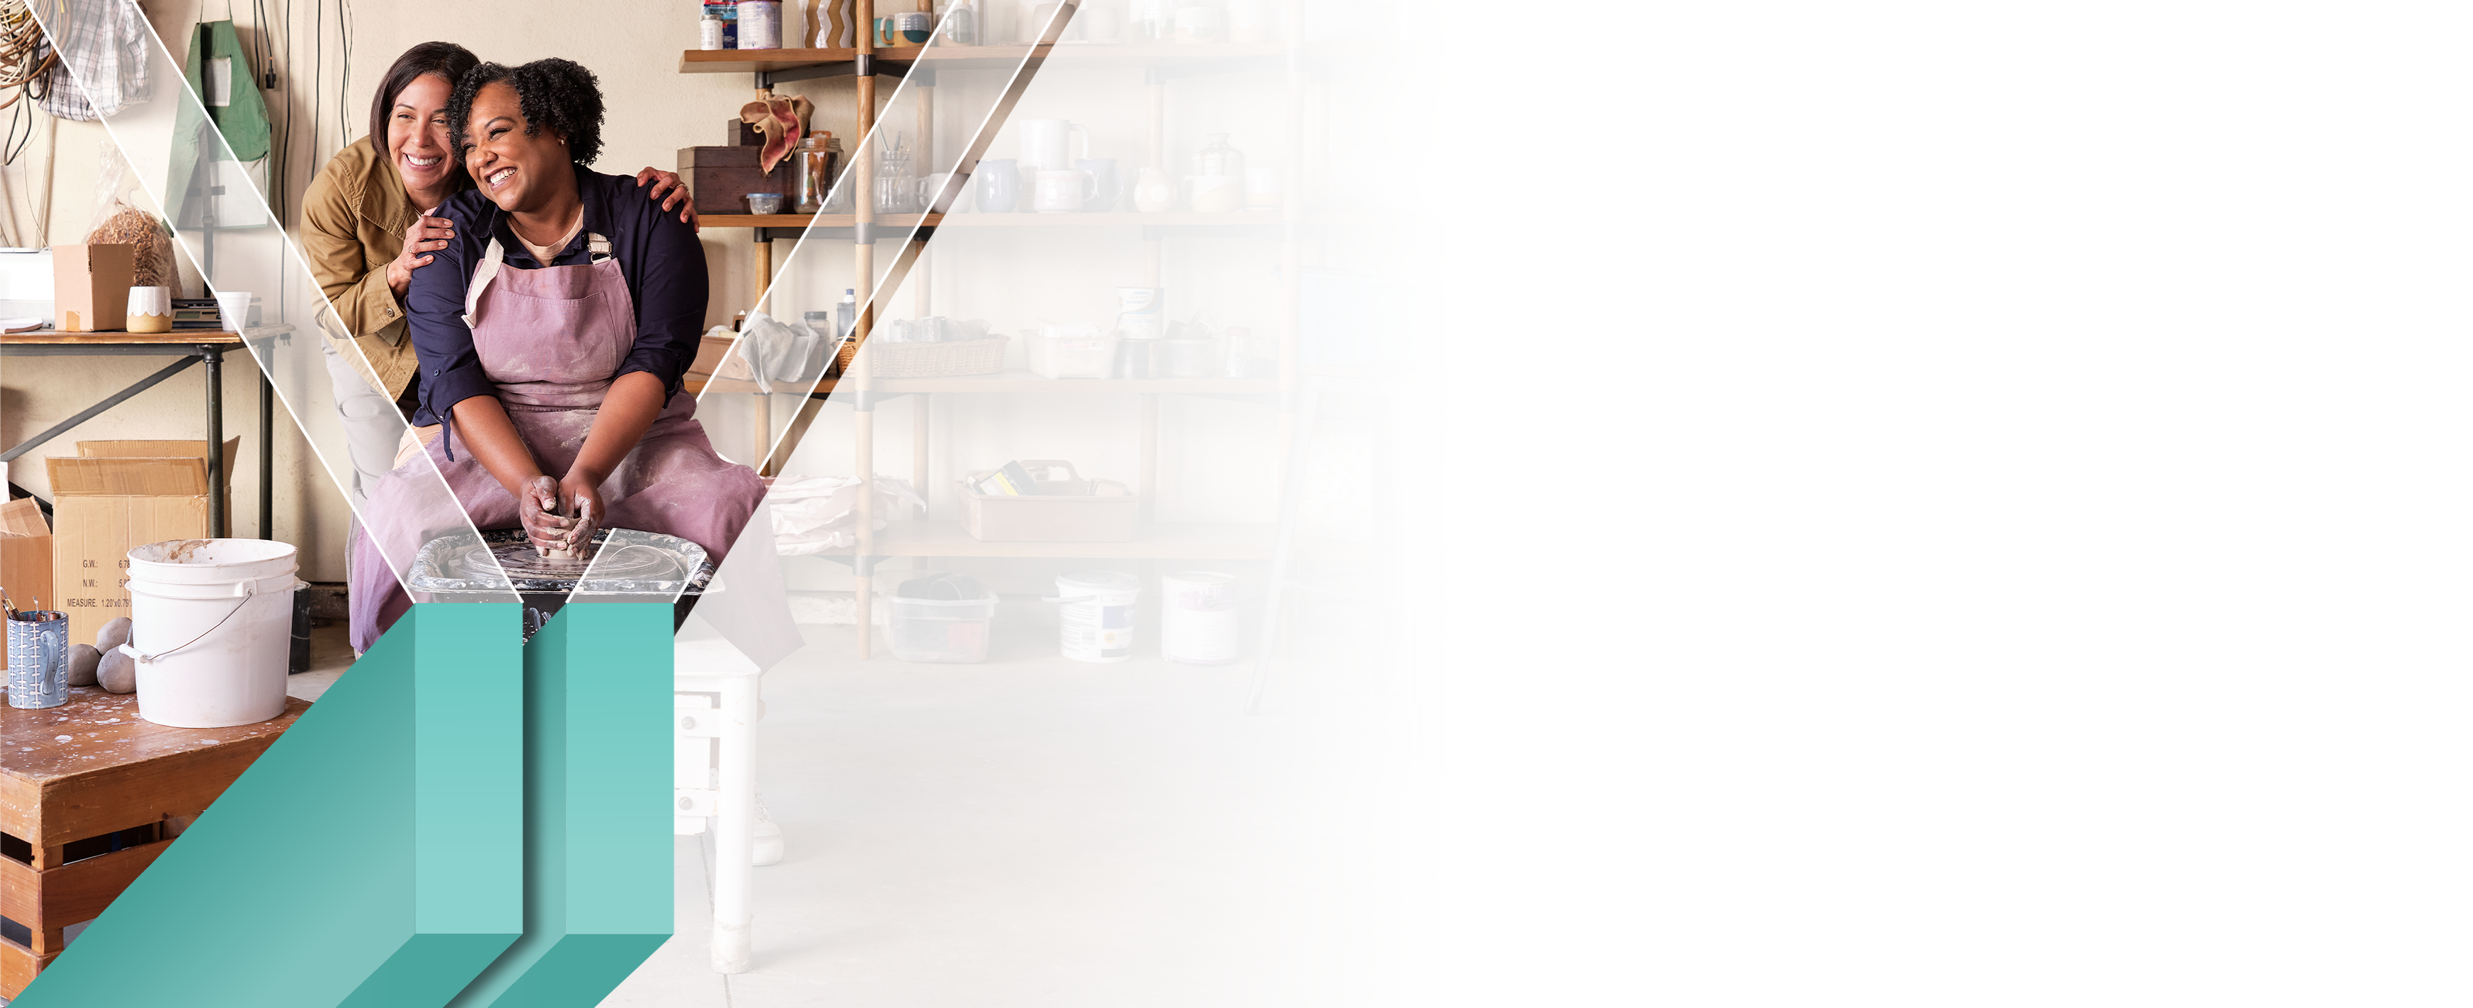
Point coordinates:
pixel 416 134
pixel 518 172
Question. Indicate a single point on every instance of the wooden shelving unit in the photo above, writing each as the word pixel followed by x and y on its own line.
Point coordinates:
pixel 987 57
pixel 1159 65
pixel 1153 541
pixel 899 222
pixel 1019 382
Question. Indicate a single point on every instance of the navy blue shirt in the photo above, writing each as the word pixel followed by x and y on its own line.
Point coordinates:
pixel 659 256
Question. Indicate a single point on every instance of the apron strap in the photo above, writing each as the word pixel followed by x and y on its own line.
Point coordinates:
pixel 481 276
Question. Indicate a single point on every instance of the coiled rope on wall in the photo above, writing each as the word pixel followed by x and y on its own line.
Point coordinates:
pixel 24 55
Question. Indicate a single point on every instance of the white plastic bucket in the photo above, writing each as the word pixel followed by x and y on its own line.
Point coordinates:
pixel 1096 624
pixel 1198 618
pixel 211 629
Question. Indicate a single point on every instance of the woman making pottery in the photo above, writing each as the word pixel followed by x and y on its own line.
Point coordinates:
pixel 366 225
pixel 553 331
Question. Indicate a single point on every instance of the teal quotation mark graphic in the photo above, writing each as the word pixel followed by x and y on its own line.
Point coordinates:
pixel 463 818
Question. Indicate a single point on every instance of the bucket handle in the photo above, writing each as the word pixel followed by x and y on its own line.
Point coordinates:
pixel 240 589
pixel 250 591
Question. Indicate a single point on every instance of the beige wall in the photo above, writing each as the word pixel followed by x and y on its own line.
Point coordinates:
pixel 653 110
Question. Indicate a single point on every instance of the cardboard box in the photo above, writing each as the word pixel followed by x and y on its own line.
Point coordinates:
pixel 90 286
pixel 26 554
pixel 106 501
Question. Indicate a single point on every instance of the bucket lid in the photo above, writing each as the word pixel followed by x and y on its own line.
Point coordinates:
pixel 1202 577
pixel 1116 582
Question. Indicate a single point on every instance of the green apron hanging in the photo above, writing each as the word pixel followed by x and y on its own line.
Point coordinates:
pixel 242 119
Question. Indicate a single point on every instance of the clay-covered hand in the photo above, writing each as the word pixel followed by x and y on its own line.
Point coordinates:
pixel 583 498
pixel 421 241
pixel 671 192
pixel 537 508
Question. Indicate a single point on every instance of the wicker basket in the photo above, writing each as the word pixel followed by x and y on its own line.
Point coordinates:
pixel 927 360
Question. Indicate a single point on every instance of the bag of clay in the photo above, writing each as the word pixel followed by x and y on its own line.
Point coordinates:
pixel 119 222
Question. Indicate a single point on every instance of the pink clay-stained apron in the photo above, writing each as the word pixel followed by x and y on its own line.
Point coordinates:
pixel 552 340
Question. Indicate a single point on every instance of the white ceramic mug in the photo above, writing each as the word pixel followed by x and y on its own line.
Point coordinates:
pixel 1063 191
pixel 1099 22
pixel 1039 17
pixel 150 309
pixel 234 305
pixel 1046 144
pixel 934 198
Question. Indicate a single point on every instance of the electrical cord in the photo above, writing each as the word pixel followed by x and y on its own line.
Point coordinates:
pixel 24 56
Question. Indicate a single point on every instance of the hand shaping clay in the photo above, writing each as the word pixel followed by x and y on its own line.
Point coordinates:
pixel 113 634
pixel 117 672
pixel 82 660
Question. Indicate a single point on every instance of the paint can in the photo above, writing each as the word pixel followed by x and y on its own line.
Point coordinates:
pixel 38 659
pixel 1141 313
pixel 1198 618
pixel 759 24
pixel 1095 623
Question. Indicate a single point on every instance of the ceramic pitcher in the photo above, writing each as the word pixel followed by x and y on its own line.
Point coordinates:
pixel 1153 192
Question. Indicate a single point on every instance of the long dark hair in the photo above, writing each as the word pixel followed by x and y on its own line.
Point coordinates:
pixel 446 59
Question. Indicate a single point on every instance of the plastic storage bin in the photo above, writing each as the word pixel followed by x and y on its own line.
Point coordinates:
pixel 1072 351
pixel 1046 517
pixel 940 619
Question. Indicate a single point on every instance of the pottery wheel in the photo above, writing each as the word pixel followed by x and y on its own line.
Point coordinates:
pixel 522 562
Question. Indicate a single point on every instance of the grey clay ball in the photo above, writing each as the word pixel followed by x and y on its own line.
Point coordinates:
pixel 82 660
pixel 113 634
pixel 118 672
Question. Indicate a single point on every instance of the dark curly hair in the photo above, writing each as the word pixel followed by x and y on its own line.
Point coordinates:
pixel 556 93
pixel 445 59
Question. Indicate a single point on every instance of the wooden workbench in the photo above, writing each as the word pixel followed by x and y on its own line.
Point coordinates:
pixel 89 795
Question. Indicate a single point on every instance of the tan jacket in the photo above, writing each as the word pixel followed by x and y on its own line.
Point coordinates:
pixel 353 220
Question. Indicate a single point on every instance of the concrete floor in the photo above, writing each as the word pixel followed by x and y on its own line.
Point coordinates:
pixel 1037 831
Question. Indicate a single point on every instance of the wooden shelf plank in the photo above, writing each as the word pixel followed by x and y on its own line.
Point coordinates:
pixel 988 56
pixel 1156 541
pixel 900 221
pixel 727 386
pixel 181 337
pixel 1023 381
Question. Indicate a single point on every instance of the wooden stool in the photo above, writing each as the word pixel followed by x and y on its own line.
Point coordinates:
pixel 89 795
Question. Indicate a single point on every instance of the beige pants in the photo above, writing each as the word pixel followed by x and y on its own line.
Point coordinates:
pixel 414 439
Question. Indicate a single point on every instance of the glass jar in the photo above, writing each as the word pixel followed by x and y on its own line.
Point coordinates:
pixel 818 157
pixel 896 190
pixel 1217 158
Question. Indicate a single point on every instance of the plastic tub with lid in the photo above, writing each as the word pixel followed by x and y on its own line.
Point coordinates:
pixel 940 619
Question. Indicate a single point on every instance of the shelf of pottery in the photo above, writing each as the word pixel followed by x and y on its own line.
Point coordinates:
pixel 1112 281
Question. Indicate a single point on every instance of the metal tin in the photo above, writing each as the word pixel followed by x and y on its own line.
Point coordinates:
pixel 39 659
pixel 759 24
